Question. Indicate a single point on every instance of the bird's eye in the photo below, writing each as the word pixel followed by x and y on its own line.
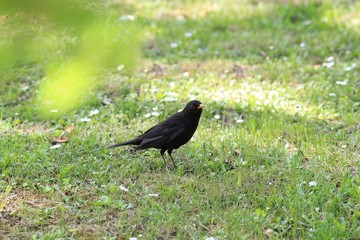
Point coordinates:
pixel 192 106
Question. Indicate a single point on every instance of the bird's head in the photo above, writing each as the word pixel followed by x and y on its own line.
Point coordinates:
pixel 194 106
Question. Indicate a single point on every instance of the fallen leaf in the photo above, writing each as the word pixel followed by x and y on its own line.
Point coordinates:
pixel 69 128
pixel 61 139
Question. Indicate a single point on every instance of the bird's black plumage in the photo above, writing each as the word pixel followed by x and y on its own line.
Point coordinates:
pixel 171 133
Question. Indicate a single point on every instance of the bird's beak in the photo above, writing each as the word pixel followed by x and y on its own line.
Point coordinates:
pixel 201 106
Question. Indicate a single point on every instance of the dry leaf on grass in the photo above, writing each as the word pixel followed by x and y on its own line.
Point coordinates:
pixel 61 139
pixel 69 128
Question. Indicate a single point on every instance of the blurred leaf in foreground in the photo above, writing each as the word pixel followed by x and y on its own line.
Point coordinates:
pixel 73 43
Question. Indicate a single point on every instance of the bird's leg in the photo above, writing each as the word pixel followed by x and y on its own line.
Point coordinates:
pixel 169 152
pixel 162 152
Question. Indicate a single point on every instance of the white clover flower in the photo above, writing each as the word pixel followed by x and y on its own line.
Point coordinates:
pixel 85 119
pixel 188 34
pixel 93 112
pixel 122 188
pixel 342 83
pixel 328 64
pixel 349 68
pixel 120 67
pixel 170 99
pixel 312 183
pixel 127 18
pixel 330 59
pixel 240 120
pixel 153 194
pixel 174 45
pixel 25 88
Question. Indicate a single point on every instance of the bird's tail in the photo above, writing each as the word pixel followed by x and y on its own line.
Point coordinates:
pixel 135 141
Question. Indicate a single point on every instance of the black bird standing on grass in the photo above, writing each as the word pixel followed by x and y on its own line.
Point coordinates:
pixel 171 133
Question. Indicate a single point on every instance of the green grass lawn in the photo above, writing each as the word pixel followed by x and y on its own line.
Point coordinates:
pixel 276 154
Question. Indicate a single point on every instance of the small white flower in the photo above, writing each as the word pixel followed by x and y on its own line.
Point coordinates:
pixel 155 113
pixel 122 188
pixel 120 67
pixel 54 110
pixel 188 34
pixel 106 101
pixel 147 115
pixel 85 119
pixel 317 209
pixel 239 120
pixel 133 238
pixel 217 116
pixel 55 146
pixel 330 59
pixel 153 194
pixel 172 85
pixel 302 44
pixel 342 83
pixel 271 47
pixel 312 183
pixel 211 238
pixel 93 112
pixel 328 64
pixel 127 18
pixel 24 88
pixel 349 68
pixel 308 22
pixel 186 74
pixel 332 94
pixel 170 99
pixel 174 45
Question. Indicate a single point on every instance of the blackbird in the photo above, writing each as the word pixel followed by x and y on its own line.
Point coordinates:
pixel 171 133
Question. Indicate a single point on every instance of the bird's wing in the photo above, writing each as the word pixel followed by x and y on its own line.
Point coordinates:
pixel 161 134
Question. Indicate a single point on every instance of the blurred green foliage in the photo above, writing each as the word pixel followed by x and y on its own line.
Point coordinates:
pixel 89 42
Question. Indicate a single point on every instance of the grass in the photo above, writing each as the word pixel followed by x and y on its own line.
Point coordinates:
pixel 276 155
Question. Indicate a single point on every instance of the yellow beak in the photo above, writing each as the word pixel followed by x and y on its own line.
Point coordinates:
pixel 201 106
